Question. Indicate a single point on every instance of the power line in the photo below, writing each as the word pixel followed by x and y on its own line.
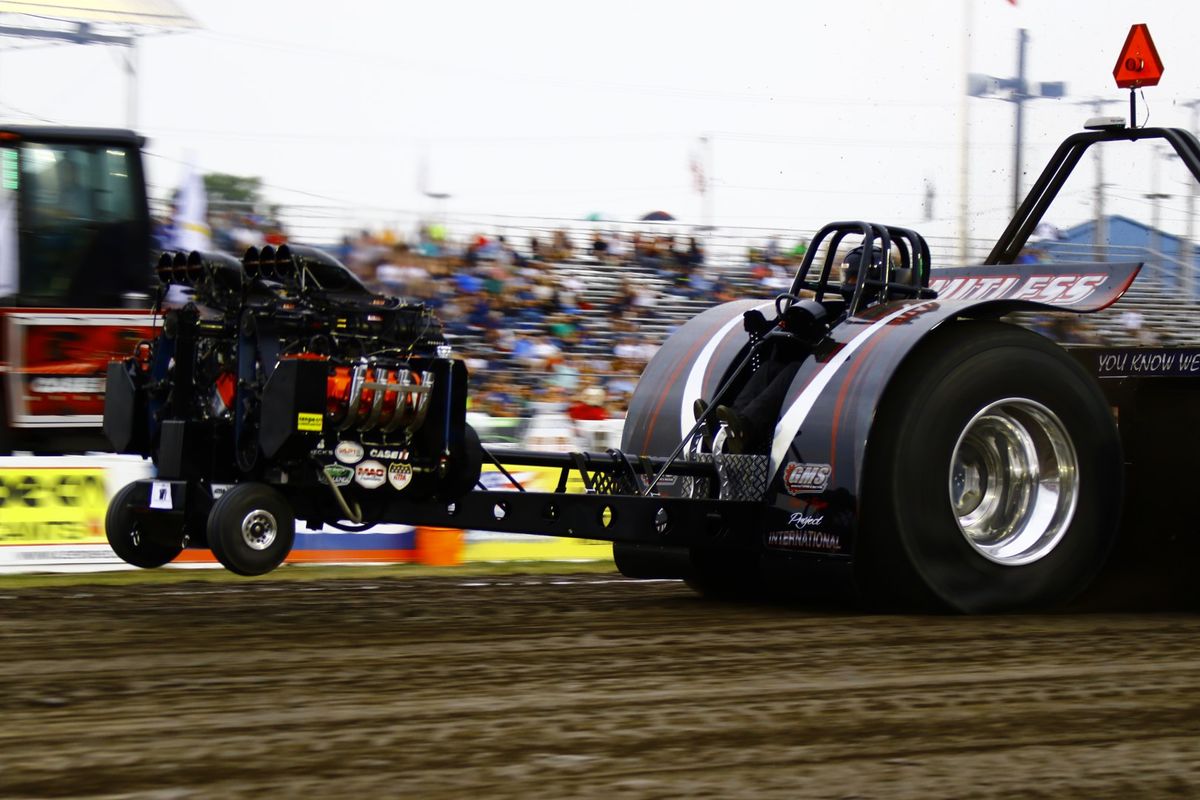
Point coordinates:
pixel 424 69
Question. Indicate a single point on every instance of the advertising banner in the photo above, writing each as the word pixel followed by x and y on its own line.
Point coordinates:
pixel 58 361
pixel 52 505
pixel 52 510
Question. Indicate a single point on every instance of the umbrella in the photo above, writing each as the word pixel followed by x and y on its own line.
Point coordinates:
pixel 595 216
pixel 657 216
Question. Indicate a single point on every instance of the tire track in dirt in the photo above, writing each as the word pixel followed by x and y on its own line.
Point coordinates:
pixel 588 688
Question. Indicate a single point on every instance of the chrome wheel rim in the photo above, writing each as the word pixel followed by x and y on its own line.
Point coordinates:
pixel 259 529
pixel 1014 481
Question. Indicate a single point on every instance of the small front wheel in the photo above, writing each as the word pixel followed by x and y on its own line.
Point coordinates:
pixel 251 529
pixel 134 536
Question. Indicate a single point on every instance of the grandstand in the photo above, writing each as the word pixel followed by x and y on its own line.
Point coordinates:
pixel 1169 316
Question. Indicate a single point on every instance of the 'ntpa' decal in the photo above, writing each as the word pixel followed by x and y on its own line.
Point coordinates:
pixel 399 475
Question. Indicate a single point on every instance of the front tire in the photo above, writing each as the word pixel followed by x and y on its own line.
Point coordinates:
pixel 251 529
pixel 140 539
pixel 993 479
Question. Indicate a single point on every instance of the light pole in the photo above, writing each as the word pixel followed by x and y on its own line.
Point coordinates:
pixel 85 24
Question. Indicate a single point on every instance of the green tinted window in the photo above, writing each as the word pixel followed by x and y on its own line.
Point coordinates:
pixel 82 234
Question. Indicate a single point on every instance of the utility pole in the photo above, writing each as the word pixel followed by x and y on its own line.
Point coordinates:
pixel 1156 197
pixel 964 136
pixel 92 23
pixel 1100 226
pixel 707 199
pixel 131 78
pixel 1019 90
pixel 1018 98
pixel 1189 254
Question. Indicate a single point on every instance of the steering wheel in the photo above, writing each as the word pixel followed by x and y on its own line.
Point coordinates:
pixel 788 296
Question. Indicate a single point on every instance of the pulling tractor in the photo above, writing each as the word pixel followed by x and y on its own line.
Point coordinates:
pixel 927 455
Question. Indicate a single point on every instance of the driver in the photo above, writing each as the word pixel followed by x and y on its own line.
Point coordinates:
pixel 851 265
pixel 750 419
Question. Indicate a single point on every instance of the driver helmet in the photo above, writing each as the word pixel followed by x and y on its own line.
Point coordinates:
pixel 851 265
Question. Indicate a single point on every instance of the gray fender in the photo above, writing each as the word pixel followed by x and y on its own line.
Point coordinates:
pixel 688 366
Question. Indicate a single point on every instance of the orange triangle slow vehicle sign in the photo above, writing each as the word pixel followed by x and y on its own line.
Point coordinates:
pixel 1139 64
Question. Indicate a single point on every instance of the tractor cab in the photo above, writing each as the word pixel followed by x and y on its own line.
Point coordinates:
pixel 74 224
pixel 76 278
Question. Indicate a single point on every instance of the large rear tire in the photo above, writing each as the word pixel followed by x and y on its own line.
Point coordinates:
pixel 140 539
pixel 251 529
pixel 993 477
pixel 725 575
pixel 712 573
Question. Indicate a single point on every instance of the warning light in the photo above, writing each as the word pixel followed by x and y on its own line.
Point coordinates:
pixel 1138 64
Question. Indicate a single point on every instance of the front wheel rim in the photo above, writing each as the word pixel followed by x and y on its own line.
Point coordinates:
pixel 259 529
pixel 1014 481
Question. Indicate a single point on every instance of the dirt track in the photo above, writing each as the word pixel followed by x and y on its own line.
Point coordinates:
pixel 583 686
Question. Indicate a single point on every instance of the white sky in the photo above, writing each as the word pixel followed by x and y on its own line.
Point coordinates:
pixel 817 111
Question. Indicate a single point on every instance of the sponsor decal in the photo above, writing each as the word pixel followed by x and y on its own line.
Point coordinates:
pixel 799 520
pixel 340 475
pixel 306 421
pixel 384 454
pixel 370 474
pixel 1159 363
pixel 806 478
pixel 1064 290
pixel 59 385
pixel 399 475
pixel 821 541
pixel 664 481
pixel 348 452
pixel 160 495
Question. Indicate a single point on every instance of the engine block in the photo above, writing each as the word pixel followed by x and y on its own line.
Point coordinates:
pixel 282 367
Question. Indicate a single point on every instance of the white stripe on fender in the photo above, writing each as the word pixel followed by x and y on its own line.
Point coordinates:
pixel 793 418
pixel 695 378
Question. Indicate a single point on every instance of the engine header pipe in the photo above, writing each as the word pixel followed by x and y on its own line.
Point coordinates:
pixel 165 270
pixel 286 268
pixel 179 269
pixel 250 263
pixel 219 270
pixel 266 263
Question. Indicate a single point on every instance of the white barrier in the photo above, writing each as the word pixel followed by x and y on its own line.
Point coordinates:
pixel 52 510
